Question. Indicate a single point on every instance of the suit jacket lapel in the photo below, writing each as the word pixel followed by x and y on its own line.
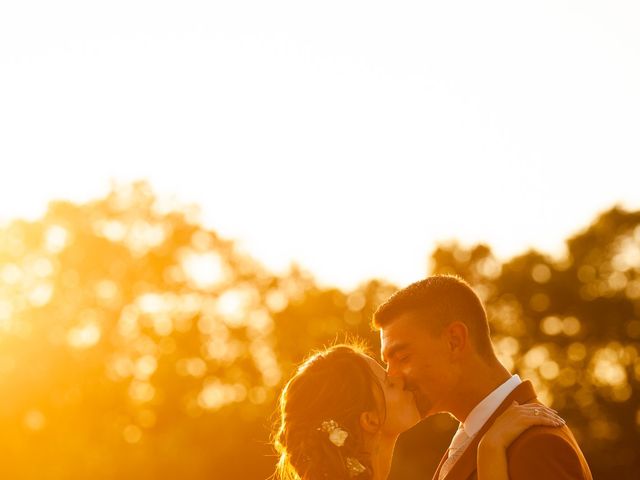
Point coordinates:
pixel 437 474
pixel 466 464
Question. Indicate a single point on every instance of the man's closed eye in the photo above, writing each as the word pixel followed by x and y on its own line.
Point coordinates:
pixel 403 359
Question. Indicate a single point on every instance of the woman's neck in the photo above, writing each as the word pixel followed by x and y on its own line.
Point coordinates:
pixel 381 455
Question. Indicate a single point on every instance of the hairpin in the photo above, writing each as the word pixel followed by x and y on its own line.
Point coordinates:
pixel 338 436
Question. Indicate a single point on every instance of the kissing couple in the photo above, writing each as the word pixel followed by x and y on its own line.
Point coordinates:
pixel 341 413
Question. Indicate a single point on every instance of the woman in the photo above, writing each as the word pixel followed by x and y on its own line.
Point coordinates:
pixel 340 417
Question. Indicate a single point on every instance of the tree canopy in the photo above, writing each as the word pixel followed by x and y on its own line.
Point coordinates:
pixel 136 343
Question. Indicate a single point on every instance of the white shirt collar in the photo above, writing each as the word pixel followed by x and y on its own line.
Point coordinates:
pixel 483 410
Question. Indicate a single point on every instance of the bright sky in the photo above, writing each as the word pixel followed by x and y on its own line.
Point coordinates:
pixel 349 136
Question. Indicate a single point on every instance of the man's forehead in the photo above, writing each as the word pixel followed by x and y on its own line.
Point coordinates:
pixel 398 334
pixel 385 338
pixel 399 326
pixel 392 338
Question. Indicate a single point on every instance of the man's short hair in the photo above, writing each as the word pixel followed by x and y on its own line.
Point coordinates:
pixel 437 301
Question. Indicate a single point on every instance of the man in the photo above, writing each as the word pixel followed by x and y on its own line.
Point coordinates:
pixel 435 335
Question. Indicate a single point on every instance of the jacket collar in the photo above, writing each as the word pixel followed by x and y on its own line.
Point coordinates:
pixel 466 464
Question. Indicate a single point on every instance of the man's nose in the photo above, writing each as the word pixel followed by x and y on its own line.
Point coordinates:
pixel 396 377
pixel 393 370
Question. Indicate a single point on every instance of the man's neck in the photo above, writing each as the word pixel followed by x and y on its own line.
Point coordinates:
pixel 480 381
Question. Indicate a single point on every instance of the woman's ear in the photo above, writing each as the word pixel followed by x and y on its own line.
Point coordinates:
pixel 370 421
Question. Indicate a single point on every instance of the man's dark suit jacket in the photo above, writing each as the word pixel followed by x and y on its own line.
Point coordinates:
pixel 540 453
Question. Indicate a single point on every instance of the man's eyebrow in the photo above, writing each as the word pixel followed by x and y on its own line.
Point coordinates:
pixel 392 350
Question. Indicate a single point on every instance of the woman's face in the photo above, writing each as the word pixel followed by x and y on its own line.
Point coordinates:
pixel 401 410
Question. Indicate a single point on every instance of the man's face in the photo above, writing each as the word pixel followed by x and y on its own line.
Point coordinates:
pixel 421 359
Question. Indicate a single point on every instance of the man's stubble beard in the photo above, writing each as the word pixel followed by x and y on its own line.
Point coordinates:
pixel 423 404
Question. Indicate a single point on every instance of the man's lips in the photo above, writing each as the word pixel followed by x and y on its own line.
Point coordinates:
pixel 418 395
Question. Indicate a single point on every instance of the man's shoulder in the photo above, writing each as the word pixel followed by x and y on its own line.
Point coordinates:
pixel 547 437
pixel 547 449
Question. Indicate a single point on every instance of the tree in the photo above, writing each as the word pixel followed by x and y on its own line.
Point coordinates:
pixel 136 343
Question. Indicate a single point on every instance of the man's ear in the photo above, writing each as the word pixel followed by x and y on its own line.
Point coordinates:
pixel 457 338
pixel 370 421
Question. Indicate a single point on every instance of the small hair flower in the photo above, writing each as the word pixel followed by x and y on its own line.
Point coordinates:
pixel 354 467
pixel 337 436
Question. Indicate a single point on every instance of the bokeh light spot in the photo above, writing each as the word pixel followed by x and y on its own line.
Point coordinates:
pixel 34 420
pixel 84 336
pixel 56 239
pixel 541 273
pixel 540 302
pixel 551 325
pixel 132 434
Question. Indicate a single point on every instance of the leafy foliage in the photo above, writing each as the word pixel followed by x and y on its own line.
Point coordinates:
pixel 136 343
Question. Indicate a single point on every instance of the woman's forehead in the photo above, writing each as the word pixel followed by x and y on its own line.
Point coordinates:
pixel 376 368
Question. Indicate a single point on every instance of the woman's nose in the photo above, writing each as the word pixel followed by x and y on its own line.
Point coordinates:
pixel 397 380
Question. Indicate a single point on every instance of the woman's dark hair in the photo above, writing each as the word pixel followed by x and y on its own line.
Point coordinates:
pixel 334 384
